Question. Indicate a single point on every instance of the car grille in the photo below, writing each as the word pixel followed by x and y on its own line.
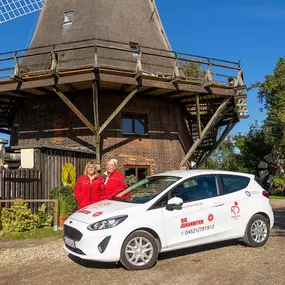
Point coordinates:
pixel 76 250
pixel 72 233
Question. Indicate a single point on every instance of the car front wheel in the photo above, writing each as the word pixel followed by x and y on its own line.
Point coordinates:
pixel 257 231
pixel 139 251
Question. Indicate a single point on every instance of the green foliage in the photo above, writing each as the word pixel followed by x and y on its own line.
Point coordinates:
pixel 272 94
pixel 45 219
pixel 278 185
pixel 19 218
pixel 65 197
pixel 131 180
pixel 193 70
pixel 252 148
pixel 32 234
pixel 225 158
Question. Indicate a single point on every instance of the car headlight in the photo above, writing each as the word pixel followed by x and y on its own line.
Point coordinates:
pixel 107 224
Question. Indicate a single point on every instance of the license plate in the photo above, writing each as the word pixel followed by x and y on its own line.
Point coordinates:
pixel 69 242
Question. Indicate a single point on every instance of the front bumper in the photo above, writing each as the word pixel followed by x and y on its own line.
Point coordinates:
pixel 103 245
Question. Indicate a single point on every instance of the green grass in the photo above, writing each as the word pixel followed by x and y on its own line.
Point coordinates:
pixel 276 197
pixel 33 234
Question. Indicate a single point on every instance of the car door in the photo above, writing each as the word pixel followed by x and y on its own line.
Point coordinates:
pixel 200 218
pixel 237 202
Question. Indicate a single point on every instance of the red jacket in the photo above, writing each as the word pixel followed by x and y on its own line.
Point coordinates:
pixel 88 191
pixel 116 183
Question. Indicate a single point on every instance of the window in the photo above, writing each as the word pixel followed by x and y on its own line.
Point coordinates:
pixel 140 172
pixel 197 188
pixel 233 183
pixel 67 19
pixel 135 48
pixel 134 124
pixel 146 189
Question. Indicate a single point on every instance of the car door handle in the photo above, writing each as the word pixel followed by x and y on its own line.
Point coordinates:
pixel 219 204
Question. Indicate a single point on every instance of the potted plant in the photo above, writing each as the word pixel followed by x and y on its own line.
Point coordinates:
pixel 66 201
pixel 63 210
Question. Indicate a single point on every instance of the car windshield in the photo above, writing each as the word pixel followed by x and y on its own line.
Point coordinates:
pixel 146 189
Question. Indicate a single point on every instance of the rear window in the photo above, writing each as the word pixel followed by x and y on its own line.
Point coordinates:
pixel 233 183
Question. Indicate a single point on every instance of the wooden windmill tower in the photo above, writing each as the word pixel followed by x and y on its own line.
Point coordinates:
pixel 101 75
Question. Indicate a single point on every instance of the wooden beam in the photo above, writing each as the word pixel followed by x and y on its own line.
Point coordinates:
pixel 70 88
pixel 74 109
pixel 198 115
pixel 18 94
pixel 120 107
pixel 95 92
pixel 204 132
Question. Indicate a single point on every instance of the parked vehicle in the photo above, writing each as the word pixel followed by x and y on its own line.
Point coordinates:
pixel 170 211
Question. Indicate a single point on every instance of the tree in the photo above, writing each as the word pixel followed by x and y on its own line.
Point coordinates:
pixel 193 70
pixel 272 94
pixel 225 158
pixel 252 148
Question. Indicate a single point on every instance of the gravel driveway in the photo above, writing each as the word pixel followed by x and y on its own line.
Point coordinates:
pixel 45 262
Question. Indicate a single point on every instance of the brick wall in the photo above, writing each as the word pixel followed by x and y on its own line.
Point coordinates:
pixel 49 121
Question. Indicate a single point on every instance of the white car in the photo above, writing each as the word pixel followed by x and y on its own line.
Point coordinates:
pixel 170 211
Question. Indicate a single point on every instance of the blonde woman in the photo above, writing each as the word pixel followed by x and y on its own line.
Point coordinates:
pixel 89 187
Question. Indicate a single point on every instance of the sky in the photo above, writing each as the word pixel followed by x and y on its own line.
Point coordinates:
pixel 252 31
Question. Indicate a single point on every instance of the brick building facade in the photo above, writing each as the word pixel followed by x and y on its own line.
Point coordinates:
pixel 161 146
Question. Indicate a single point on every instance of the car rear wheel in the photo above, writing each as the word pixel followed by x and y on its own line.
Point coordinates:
pixel 139 251
pixel 257 231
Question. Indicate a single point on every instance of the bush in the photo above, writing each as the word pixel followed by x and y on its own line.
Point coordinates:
pixel 66 200
pixel 46 220
pixel 131 180
pixel 19 218
pixel 278 185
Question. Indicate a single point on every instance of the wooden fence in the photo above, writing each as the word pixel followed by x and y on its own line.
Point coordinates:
pixel 21 183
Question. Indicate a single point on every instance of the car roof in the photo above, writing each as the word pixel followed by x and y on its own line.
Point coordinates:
pixel 195 172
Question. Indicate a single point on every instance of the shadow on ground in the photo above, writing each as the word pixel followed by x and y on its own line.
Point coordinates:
pixel 200 248
pixel 162 256
pixel 279 224
pixel 93 264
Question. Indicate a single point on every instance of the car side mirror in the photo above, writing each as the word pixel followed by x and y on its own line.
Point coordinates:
pixel 174 203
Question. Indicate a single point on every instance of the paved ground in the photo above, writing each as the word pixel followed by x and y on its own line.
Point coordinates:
pixel 224 263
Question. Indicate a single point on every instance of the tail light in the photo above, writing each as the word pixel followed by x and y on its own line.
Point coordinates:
pixel 265 194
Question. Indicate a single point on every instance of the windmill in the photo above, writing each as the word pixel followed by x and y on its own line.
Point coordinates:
pixel 103 76
pixel 12 9
pixel 268 167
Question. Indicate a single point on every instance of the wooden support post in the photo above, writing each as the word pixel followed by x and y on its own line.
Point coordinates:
pixel 95 89
pixel 139 63
pixel 120 107
pixel 17 67
pixel 227 130
pixel 96 61
pixel 198 115
pixel 204 133
pixel 54 64
pixel 74 109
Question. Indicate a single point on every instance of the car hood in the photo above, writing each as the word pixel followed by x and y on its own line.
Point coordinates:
pixel 102 210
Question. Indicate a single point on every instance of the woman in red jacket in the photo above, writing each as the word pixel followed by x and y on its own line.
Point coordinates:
pixel 89 187
pixel 115 181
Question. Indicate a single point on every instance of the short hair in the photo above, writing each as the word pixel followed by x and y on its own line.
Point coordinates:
pixel 113 161
pixel 90 163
